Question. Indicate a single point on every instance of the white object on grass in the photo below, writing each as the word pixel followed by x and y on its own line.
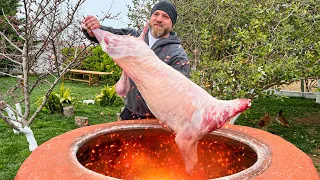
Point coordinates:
pixel 88 102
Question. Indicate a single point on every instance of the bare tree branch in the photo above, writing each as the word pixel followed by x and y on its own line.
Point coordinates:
pixel 7 74
pixel 5 118
pixel 9 41
pixel 12 26
pixel 8 57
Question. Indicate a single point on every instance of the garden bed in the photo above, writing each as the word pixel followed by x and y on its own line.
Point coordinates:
pixel 304 131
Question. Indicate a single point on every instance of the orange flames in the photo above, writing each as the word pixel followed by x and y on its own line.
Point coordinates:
pixel 144 155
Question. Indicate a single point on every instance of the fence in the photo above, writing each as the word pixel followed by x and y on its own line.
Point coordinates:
pixel 301 93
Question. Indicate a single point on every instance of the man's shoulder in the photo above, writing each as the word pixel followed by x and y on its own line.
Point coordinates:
pixel 174 37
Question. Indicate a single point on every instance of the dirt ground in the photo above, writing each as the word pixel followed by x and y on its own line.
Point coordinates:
pixel 313 119
pixel 316 160
pixel 296 86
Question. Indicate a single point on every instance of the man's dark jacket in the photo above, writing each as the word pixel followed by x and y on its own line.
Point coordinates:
pixel 169 50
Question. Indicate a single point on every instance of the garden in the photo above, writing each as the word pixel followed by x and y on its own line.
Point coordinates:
pixel 302 114
pixel 236 50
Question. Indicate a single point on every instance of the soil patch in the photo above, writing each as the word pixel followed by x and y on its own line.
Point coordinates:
pixel 310 119
pixel 296 86
pixel 315 156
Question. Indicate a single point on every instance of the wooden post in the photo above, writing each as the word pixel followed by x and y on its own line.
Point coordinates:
pixel 90 79
pixel 68 111
pixel 302 87
pixel 81 121
pixel 318 93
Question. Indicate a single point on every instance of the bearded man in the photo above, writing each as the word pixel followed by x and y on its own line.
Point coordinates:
pixel 161 39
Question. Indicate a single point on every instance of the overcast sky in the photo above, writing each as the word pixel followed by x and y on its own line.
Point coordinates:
pixel 95 7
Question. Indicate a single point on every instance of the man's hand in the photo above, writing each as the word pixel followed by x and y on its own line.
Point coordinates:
pixel 90 23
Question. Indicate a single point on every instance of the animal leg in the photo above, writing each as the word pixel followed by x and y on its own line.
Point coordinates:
pixel 187 143
pixel 123 85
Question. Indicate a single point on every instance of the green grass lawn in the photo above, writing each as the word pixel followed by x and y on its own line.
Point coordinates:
pixel 303 115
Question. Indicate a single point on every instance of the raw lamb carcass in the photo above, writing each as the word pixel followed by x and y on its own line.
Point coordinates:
pixel 175 100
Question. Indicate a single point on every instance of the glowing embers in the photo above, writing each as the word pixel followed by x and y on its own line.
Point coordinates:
pixel 153 154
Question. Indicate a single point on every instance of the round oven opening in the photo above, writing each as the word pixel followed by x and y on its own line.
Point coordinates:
pixel 151 153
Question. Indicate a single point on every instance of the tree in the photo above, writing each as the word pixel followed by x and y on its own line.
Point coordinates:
pixel 140 12
pixel 242 48
pixel 47 27
pixel 8 8
pixel 8 12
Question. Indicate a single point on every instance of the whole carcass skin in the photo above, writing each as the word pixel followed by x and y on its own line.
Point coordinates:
pixel 174 99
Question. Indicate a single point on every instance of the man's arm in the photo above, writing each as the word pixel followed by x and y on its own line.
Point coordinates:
pixel 91 22
pixel 122 31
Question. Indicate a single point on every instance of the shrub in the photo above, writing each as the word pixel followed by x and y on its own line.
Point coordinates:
pixel 98 60
pixel 107 96
pixel 56 102
pixel 101 61
pixel 53 104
